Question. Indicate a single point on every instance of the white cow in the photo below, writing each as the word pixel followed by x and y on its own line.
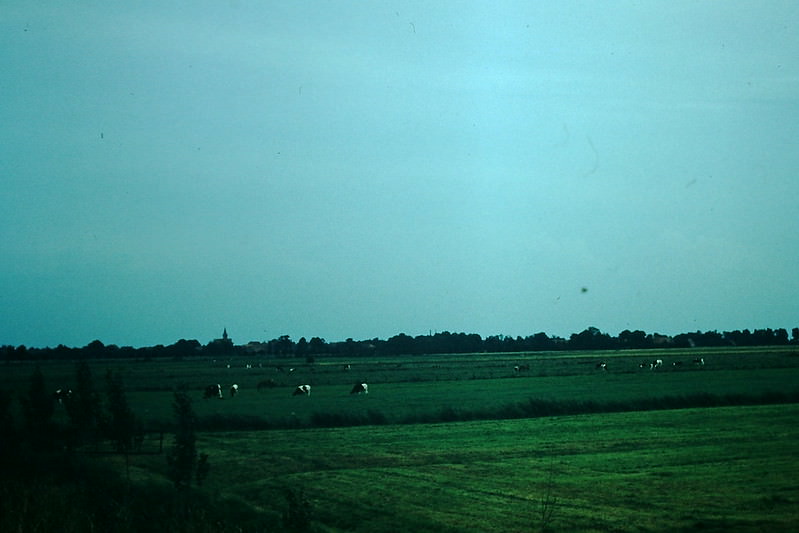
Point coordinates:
pixel 234 389
pixel 359 388
pixel 302 389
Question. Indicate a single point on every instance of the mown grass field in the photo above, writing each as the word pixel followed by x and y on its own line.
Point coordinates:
pixel 714 469
pixel 719 469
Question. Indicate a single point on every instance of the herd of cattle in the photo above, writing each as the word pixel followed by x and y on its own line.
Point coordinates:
pixel 215 391
pixel 656 363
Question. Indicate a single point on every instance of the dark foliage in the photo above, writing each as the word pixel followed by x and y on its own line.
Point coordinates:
pixel 438 343
pixel 45 486
pixel 298 513
pixel 38 407
pixel 9 435
pixel 185 464
pixel 85 495
pixel 121 424
pixel 83 407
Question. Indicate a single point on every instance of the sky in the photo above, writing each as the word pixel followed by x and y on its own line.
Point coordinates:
pixel 363 169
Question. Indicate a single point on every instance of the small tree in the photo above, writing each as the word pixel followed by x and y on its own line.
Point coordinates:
pixel 182 460
pixel 83 407
pixel 121 425
pixel 183 463
pixel 38 409
pixel 9 446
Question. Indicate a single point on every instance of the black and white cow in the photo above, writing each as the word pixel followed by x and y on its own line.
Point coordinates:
pixel 360 388
pixel 302 389
pixel 234 389
pixel 651 365
pixel 213 391
pixel 602 365
pixel 62 395
pixel 699 361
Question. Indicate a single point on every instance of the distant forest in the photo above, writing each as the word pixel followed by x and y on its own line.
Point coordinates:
pixel 402 344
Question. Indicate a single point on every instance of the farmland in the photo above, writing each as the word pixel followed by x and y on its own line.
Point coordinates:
pixel 444 443
pixel 724 469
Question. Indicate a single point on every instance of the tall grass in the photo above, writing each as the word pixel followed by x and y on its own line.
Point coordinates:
pixel 71 494
pixel 530 408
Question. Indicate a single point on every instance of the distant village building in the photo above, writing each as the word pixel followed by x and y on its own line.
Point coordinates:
pixel 223 345
pixel 256 348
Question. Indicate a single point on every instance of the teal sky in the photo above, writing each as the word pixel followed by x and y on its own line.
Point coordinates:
pixel 361 169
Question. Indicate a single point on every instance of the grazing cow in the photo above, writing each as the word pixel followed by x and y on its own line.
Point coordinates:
pixel 267 384
pixel 359 388
pixel 234 389
pixel 657 363
pixel 348 367
pixel 700 361
pixel 213 391
pixel 60 395
pixel 602 365
pixel 676 364
pixel 521 368
pixel 302 389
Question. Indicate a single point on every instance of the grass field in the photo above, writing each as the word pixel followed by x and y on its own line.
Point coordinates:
pixel 721 469
pixel 491 466
pixel 424 388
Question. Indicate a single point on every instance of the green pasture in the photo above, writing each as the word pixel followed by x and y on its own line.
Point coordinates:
pixel 721 469
pixel 419 388
pixel 712 469
pixel 410 401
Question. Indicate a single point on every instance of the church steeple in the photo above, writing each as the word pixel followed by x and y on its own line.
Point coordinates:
pixel 224 334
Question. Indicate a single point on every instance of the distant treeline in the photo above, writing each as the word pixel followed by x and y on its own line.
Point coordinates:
pixel 402 344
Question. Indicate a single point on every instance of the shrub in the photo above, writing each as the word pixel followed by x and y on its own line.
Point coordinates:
pixel 298 513
pixel 182 459
pixel 38 408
